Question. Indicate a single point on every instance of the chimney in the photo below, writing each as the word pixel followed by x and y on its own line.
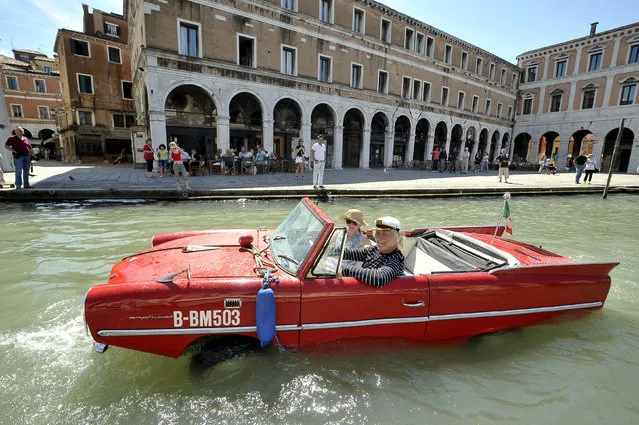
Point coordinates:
pixel 87 21
pixel 593 29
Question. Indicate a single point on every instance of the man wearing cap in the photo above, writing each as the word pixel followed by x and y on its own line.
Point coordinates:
pixel 381 263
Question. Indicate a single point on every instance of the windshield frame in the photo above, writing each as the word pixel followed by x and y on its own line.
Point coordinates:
pixel 317 236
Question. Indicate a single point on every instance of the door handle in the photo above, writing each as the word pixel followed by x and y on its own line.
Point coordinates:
pixel 414 305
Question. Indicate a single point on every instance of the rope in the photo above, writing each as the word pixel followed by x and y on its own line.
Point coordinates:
pixel 261 265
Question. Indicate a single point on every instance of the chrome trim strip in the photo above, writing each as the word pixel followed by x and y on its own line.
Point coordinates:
pixel 350 324
pixel 499 313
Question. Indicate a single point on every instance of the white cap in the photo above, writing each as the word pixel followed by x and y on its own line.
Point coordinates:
pixel 385 223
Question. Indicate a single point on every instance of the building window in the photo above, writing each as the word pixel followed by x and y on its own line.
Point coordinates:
pixel 448 54
pixel 246 51
pixel 479 66
pixel 356 76
pixel 426 96
pixel 628 94
pixel 189 43
pixel 382 82
pixel 527 109
pixel 289 60
pixel 488 105
pixel 16 111
pixel 555 102
pixel 85 118
pixel 510 113
pixel 531 74
pixel 85 84
pixel 40 87
pixel 409 39
pixel 127 89
pixel 594 62
pixel 464 61
pixel 499 110
pixel 444 96
pixel 430 46
pixel 492 71
pixel 43 112
pixel 419 47
pixel 122 120
pixel 560 68
pixel 385 32
pixel 502 79
pixel 114 55
pixel 359 20
pixel 588 100
pixel 461 96
pixel 406 87
pixel 80 48
pixel 325 72
pixel 475 104
pixel 48 69
pixel 12 82
pixel 417 89
pixel 290 5
pixel 111 29
pixel 326 11
pixel 634 54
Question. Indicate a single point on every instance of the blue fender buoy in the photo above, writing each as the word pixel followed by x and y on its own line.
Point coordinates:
pixel 265 315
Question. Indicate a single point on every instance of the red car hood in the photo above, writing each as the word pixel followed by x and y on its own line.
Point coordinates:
pixel 208 255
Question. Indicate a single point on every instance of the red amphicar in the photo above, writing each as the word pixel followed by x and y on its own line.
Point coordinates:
pixel 284 286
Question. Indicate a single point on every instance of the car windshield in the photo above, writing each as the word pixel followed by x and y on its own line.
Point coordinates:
pixel 295 237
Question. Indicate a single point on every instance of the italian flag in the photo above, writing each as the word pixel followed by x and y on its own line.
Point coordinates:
pixel 509 223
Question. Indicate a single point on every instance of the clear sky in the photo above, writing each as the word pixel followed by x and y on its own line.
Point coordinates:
pixel 505 28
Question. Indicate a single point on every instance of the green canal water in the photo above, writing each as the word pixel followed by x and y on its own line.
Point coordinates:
pixel 578 372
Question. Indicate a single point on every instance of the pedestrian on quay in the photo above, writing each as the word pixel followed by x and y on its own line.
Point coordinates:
pixel 319 161
pixel 590 168
pixel 147 152
pixel 453 160
pixel 484 162
pixel 163 159
pixel 504 161
pixel 542 163
pixel 477 162
pixel 443 156
pixel 435 156
pixel 465 159
pixel 20 147
pixel 177 155
pixel 298 154
pixel 580 165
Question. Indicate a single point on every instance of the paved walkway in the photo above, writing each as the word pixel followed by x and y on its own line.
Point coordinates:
pixel 57 181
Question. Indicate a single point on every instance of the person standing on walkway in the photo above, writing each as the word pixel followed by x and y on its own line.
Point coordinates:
pixel 177 154
pixel 163 159
pixel 477 162
pixel 465 159
pixel 319 160
pixel 580 165
pixel 298 154
pixel 443 156
pixel 20 146
pixel 435 156
pixel 484 162
pixel 542 163
pixel 504 161
pixel 453 160
pixel 590 168
pixel 147 152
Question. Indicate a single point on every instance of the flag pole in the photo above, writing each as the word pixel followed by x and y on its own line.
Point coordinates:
pixel 503 208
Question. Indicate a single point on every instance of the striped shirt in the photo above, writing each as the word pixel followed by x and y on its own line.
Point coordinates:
pixel 377 269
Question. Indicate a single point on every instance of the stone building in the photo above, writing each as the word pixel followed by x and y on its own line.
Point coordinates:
pixel 383 88
pixel 573 95
pixel 95 69
pixel 31 85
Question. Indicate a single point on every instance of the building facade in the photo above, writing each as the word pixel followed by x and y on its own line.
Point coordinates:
pixel 380 86
pixel 573 96
pixel 95 68
pixel 31 87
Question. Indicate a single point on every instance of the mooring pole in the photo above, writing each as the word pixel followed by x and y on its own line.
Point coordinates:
pixel 614 157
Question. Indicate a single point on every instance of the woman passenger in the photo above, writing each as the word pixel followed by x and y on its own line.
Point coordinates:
pixel 354 237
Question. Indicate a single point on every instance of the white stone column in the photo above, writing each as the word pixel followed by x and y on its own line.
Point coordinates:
pixel 306 135
pixel 545 74
pixel 607 91
pixel 575 71
pixel 428 155
pixel 223 133
pixel 563 152
pixel 267 135
pixel 597 148
pixel 534 150
pixel 389 147
pixel 157 125
pixel 473 151
pixel 365 156
pixel 542 98
pixel 615 53
pixel 338 143
pixel 447 145
pixel 411 148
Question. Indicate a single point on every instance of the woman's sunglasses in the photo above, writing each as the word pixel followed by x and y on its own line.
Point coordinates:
pixel 352 222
